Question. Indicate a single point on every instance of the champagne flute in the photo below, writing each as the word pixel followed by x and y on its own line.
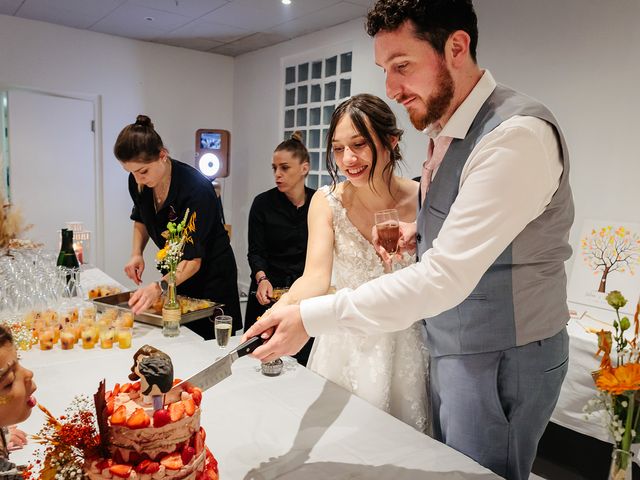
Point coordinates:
pixel 388 227
pixel 223 327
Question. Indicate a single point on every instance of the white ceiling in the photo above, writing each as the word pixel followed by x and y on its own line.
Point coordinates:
pixel 227 27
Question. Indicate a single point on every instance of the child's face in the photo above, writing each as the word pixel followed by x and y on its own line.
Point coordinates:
pixel 16 388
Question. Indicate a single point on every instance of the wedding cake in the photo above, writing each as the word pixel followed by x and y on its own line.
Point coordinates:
pixel 152 431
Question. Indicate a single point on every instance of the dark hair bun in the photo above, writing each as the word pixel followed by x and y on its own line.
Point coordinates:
pixel 143 121
pixel 297 135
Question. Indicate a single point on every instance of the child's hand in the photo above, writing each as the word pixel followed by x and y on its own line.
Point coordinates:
pixel 16 439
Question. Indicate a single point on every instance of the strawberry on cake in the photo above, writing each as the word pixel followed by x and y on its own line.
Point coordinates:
pixel 143 442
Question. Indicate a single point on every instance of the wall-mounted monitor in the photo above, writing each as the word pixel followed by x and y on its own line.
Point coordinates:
pixel 212 152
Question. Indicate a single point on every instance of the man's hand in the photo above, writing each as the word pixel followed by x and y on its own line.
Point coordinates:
pixel 287 339
pixel 406 243
pixel 264 292
pixel 134 268
pixel 144 297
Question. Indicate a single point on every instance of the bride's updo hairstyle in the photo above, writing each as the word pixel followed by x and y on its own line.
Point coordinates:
pixel 369 115
pixel 138 142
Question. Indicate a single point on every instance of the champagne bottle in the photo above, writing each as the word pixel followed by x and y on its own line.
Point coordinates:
pixel 67 256
pixel 68 261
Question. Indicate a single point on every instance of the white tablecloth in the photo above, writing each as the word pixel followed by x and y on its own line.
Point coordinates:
pixel 295 426
pixel 91 277
pixel 578 387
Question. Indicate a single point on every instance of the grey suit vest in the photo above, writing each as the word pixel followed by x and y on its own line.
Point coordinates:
pixel 522 296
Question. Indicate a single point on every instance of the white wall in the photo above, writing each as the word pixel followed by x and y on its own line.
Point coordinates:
pixel 580 57
pixel 181 90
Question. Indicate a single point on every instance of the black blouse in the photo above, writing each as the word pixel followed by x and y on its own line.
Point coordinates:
pixel 278 237
pixel 217 278
pixel 190 189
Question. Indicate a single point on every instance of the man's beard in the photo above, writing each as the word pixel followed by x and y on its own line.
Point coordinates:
pixel 438 102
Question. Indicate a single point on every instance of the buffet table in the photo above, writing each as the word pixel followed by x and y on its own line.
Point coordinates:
pixel 293 426
pixel 578 387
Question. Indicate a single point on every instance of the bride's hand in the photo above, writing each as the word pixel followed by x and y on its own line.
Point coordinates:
pixel 283 302
pixel 406 243
pixel 279 304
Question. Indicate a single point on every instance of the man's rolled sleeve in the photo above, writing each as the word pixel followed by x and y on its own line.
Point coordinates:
pixel 318 315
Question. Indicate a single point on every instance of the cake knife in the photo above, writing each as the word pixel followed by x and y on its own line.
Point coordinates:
pixel 219 370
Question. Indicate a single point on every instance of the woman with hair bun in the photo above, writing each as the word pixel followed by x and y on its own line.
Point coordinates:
pixel 278 230
pixel 162 189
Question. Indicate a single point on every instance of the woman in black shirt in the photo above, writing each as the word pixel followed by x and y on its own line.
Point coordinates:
pixel 278 229
pixel 162 190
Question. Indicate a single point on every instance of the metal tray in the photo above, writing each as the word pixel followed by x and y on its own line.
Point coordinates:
pixel 119 301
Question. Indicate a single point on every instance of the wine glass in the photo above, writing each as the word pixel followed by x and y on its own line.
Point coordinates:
pixel 388 227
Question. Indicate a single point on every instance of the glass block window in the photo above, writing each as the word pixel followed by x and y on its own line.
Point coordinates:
pixel 314 139
pixel 290 97
pixel 289 118
pixel 302 94
pixel 330 91
pixel 345 62
pixel 290 75
pixel 316 93
pixel 303 72
pixel 312 89
pixel 314 116
pixel 316 69
pixel 331 66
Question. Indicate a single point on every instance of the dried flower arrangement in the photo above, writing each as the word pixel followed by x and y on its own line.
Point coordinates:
pixel 12 225
pixel 66 442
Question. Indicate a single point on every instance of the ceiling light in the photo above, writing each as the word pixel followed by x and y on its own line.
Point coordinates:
pixel 286 2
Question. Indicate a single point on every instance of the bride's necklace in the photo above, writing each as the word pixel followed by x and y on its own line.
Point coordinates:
pixel 364 205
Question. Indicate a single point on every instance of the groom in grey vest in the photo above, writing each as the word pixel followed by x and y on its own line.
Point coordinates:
pixel 491 237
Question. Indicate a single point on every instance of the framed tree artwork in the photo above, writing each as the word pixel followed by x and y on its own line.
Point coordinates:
pixel 607 258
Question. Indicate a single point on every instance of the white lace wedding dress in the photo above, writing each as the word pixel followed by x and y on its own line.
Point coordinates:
pixel 388 370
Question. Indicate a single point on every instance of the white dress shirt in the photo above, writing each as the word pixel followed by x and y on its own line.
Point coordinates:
pixel 507 181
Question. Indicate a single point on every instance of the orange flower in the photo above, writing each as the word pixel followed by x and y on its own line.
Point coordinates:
pixel 620 379
pixel 604 346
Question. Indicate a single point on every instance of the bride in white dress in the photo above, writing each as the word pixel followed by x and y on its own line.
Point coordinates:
pixel 388 370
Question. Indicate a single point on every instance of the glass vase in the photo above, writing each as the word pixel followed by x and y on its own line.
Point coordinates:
pixel 621 465
pixel 171 309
